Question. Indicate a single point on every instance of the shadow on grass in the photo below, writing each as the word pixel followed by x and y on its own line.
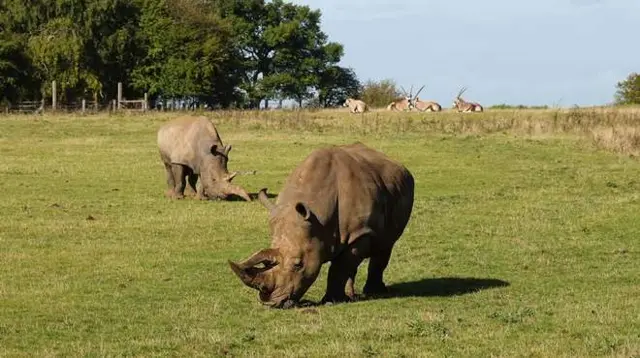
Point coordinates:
pixel 442 287
pixel 253 196
pixel 428 287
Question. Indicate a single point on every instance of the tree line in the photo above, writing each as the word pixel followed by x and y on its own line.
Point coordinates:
pixel 223 53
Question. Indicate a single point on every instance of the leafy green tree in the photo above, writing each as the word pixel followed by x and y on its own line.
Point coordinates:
pixel 85 45
pixel 188 50
pixel 56 52
pixel 282 49
pixel 336 85
pixel 222 52
pixel 628 90
pixel 15 82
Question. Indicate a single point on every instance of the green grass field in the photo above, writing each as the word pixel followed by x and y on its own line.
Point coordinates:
pixel 523 240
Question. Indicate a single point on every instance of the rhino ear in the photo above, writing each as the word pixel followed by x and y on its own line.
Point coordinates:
pixel 227 149
pixel 303 210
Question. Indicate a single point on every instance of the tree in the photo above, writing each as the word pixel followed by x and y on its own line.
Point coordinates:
pixel 85 45
pixel 282 49
pixel 222 52
pixel 379 94
pixel 187 52
pixel 56 51
pixel 336 85
pixel 628 90
pixel 15 83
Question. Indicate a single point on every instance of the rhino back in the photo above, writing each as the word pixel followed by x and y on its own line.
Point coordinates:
pixel 185 140
pixel 358 186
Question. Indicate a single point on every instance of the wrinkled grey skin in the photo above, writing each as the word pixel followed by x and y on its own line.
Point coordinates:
pixel 191 147
pixel 341 204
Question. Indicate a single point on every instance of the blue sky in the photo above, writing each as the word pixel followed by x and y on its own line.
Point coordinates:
pixel 555 52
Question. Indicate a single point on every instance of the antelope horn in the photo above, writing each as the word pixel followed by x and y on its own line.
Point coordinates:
pixel 403 91
pixel 417 93
pixel 411 92
pixel 462 91
pixel 264 199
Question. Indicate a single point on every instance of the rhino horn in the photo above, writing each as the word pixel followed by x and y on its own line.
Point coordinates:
pixel 236 190
pixel 255 276
pixel 264 199
pixel 230 176
pixel 248 276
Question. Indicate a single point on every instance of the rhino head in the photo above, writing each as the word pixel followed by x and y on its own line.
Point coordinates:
pixel 283 273
pixel 216 179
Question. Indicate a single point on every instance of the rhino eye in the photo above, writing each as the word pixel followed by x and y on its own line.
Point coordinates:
pixel 298 264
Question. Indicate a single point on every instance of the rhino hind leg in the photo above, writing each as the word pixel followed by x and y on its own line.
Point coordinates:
pixel 377 264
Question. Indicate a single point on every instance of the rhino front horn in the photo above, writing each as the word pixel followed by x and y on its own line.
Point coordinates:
pixel 242 274
pixel 249 276
pixel 236 190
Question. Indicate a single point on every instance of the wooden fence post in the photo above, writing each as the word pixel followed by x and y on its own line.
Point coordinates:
pixel 113 105
pixel 84 105
pixel 119 95
pixel 145 105
pixel 54 96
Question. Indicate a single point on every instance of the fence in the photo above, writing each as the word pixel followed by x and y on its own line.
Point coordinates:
pixel 84 106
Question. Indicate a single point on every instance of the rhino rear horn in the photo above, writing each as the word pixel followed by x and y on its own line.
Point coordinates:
pixel 230 176
pixel 264 199
pixel 264 256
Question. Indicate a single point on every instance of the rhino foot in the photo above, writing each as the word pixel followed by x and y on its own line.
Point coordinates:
pixel 174 195
pixel 335 298
pixel 378 289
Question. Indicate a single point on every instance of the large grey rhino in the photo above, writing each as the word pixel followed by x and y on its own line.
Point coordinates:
pixel 191 147
pixel 341 204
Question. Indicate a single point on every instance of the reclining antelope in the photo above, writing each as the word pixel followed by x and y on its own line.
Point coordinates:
pixel 410 102
pixel 403 104
pixel 425 106
pixel 463 106
pixel 355 105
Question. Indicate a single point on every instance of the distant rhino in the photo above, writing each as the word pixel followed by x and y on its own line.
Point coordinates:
pixel 190 146
pixel 341 204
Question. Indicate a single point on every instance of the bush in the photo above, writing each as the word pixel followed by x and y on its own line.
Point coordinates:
pixel 629 90
pixel 379 94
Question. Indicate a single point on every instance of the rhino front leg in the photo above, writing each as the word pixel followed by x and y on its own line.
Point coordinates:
pixel 179 176
pixel 343 269
pixel 170 182
pixel 200 191
pixel 192 180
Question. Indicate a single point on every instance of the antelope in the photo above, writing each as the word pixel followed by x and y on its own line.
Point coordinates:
pixel 426 106
pixel 463 106
pixel 355 105
pixel 402 104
